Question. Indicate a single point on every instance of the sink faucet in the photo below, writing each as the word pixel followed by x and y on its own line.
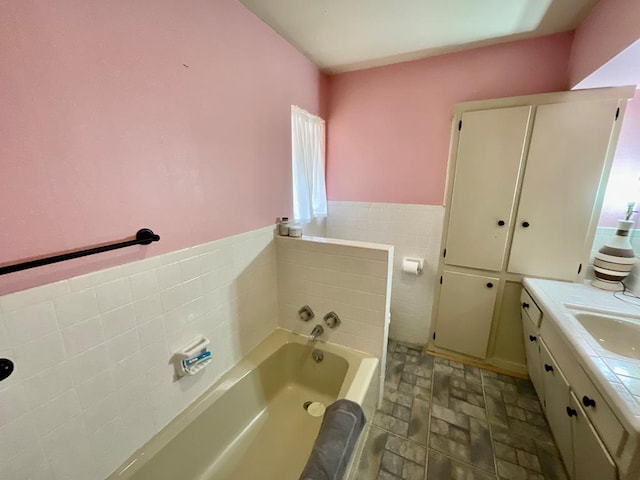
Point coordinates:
pixel 315 333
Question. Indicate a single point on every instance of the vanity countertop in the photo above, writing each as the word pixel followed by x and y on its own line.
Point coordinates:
pixel 616 376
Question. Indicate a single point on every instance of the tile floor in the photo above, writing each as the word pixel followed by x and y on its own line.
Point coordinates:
pixel 442 420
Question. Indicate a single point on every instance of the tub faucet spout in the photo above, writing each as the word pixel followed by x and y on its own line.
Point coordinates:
pixel 315 333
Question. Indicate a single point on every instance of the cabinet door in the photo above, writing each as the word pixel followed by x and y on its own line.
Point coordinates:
pixel 465 312
pixel 566 159
pixel 488 164
pixel 556 401
pixel 532 351
pixel 591 459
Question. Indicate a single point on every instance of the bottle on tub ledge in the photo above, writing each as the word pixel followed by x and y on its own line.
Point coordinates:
pixel 283 226
pixel 286 229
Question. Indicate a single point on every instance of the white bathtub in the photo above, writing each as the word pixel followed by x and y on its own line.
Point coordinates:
pixel 252 424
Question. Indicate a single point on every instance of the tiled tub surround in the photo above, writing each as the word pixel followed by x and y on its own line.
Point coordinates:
pixel 414 231
pixel 251 424
pixel 615 377
pixel 441 420
pixel 93 381
pixel 350 278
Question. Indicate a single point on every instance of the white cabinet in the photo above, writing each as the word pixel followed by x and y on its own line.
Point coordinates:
pixel 556 400
pixel 591 457
pixel 584 440
pixel 466 310
pixel 565 164
pixel 532 351
pixel 490 155
pixel 527 178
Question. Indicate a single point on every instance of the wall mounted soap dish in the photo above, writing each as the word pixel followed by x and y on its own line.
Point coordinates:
pixel 194 357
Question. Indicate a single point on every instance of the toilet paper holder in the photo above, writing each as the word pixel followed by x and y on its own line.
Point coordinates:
pixel 413 266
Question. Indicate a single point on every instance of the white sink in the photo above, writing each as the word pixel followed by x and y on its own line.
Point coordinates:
pixel 616 334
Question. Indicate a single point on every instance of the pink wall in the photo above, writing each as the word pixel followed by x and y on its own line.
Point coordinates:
pixel 389 127
pixel 624 182
pixel 611 27
pixel 120 115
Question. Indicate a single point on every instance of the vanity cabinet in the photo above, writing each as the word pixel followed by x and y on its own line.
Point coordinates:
pixel 591 457
pixel 532 350
pixel 582 446
pixel 556 398
pixel 527 178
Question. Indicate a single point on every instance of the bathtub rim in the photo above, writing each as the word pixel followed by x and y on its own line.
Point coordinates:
pixel 361 370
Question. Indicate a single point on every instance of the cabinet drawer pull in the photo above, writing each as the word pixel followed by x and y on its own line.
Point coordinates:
pixel 489 285
pixel 548 368
pixel 525 224
pixel 501 223
pixel 525 305
pixel 532 338
pixel 571 412
pixel 588 402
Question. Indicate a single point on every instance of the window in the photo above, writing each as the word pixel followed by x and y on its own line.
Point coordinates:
pixel 307 165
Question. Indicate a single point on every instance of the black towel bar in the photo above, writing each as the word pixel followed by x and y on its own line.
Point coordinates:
pixel 143 237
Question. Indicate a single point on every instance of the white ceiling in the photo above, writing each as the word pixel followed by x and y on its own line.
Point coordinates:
pixel 343 35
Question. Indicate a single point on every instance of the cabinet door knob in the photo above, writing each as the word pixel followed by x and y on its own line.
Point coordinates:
pixel 548 368
pixel 525 305
pixel 501 223
pixel 489 285
pixel 588 402
pixel 525 224
pixel 571 412
pixel 532 338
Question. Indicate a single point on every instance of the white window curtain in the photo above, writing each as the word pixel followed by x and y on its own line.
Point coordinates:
pixel 307 162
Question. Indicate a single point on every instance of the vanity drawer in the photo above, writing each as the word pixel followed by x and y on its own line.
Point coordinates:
pixel 528 307
pixel 610 430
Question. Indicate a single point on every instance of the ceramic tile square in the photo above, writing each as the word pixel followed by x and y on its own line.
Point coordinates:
pixel 30 323
pixel 33 357
pixel 143 284
pixel 76 307
pixel 15 437
pixel 92 390
pixel 47 385
pixel 118 321
pixel 12 403
pixel 82 336
pixel 147 309
pixel 87 364
pixel 56 412
pixel 123 346
pixel 168 276
pixel 113 294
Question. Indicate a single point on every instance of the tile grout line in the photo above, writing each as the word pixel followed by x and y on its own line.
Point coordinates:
pixel 486 409
pixel 433 380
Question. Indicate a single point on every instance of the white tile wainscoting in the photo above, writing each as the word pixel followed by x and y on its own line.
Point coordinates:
pixel 414 231
pixel 93 380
